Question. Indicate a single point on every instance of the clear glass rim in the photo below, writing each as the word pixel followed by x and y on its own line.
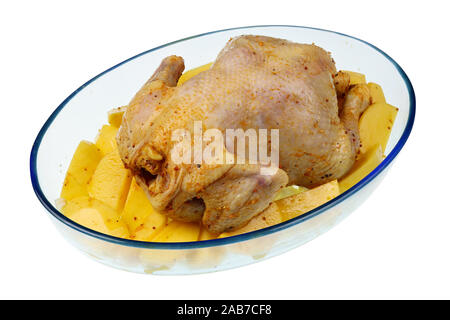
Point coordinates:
pixel 238 238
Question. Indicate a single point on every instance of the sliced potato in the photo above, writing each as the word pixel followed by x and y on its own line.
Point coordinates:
pixel 110 181
pixel 142 220
pixel 356 77
pixel 72 188
pixel 115 116
pixel 375 126
pixel 206 257
pixel 193 72
pixel 177 231
pixel 206 235
pixel 82 166
pixel 376 93
pixel 106 139
pixel 95 215
pixel 306 201
pixel 269 217
pixel 363 166
pixel 154 223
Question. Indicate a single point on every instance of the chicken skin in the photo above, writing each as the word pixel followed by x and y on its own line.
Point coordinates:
pixel 256 82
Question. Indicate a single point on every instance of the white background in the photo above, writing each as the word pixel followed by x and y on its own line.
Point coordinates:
pixel 396 245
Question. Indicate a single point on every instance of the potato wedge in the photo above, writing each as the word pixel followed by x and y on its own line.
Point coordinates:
pixel 142 220
pixel 106 139
pixel 356 77
pixel 154 223
pixel 115 116
pixel 110 181
pixel 363 166
pixel 193 72
pixel 376 93
pixel 206 235
pixel 72 188
pixel 81 168
pixel 95 215
pixel 269 217
pixel 375 126
pixel 177 231
pixel 306 201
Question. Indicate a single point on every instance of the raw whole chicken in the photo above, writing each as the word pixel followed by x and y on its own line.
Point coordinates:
pixel 255 82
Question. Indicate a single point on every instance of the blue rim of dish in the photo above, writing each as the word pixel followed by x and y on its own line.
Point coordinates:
pixel 238 238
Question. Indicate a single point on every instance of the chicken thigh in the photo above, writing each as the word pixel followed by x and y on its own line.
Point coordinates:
pixel 256 82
